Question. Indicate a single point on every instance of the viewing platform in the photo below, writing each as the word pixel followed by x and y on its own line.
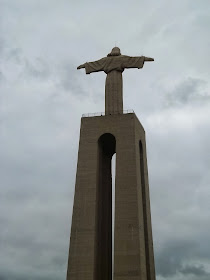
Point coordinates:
pixel 98 114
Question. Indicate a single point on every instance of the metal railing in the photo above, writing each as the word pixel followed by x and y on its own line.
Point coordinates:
pixel 98 114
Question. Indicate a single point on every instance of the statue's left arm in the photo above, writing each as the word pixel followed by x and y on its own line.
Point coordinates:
pixel 135 61
pixel 94 66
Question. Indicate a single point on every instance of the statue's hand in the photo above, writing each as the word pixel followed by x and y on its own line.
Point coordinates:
pixel 81 66
pixel 148 59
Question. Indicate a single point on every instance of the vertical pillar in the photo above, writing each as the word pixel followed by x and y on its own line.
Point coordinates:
pixel 129 251
pixel 81 262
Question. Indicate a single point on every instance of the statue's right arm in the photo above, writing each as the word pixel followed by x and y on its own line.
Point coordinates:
pixel 81 66
pixel 148 59
pixel 94 66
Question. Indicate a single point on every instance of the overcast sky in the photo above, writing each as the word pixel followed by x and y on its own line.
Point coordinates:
pixel 43 96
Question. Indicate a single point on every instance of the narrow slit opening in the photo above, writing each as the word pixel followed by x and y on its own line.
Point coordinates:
pixel 113 208
pixel 144 203
pixel 103 242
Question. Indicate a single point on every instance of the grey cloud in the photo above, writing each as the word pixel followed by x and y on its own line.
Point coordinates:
pixel 171 260
pixel 38 69
pixel 26 67
pixel 195 270
pixel 1 45
pixel 9 276
pixel 64 76
pixel 14 54
pixel 43 97
pixel 70 81
pixel 1 76
pixel 78 84
pixel 189 91
pixel 179 188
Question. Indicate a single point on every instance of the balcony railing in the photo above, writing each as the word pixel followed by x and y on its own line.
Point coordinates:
pixel 103 113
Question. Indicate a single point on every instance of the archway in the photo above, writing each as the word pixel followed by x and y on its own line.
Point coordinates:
pixel 103 261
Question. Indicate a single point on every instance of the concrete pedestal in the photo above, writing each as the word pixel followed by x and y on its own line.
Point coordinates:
pixel 90 253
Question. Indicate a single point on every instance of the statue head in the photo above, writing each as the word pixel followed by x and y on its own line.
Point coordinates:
pixel 115 52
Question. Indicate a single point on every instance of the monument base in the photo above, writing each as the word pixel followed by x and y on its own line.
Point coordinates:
pixel 90 253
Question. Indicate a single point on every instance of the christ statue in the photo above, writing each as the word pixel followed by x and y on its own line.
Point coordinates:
pixel 113 65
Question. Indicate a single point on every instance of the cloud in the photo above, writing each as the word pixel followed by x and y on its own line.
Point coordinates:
pixel 195 270
pixel 170 258
pixel 189 91
pixel 179 256
pixel 71 81
pixel 42 97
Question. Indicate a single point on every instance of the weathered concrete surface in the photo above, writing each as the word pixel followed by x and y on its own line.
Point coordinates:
pixel 133 246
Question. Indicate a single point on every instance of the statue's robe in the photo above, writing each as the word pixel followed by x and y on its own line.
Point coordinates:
pixel 118 63
pixel 113 66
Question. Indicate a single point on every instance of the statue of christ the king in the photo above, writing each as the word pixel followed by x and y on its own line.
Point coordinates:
pixel 113 65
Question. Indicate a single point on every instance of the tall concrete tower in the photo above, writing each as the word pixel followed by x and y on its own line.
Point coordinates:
pixel 90 252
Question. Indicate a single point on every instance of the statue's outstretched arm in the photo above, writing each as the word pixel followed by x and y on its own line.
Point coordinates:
pixel 81 66
pixel 94 66
pixel 148 59
pixel 134 61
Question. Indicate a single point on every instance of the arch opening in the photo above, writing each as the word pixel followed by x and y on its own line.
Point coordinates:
pixel 145 206
pixel 103 248
pixel 113 208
